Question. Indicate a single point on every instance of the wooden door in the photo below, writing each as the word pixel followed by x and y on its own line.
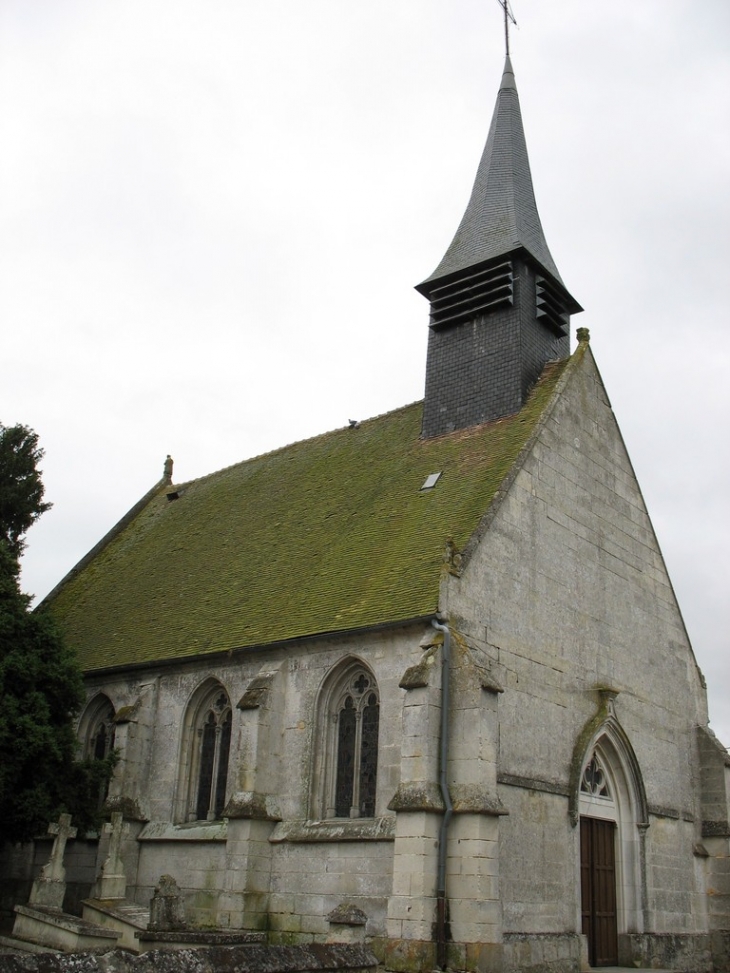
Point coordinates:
pixel 598 890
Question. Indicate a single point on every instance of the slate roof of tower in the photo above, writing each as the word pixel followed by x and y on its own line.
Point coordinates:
pixel 501 216
pixel 328 535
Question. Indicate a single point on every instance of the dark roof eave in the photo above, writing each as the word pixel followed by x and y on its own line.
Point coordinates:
pixel 106 671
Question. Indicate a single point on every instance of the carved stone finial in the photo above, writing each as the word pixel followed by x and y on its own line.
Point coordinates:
pixel 167 469
pixel 583 335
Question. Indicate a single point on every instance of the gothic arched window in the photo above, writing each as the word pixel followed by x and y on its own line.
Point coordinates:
pixel 348 762
pixel 96 730
pixel 206 748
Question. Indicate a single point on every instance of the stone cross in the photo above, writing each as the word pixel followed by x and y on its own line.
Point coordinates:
pixel 50 886
pixel 508 16
pixel 113 882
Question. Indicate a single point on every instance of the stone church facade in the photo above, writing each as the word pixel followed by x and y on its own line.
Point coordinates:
pixel 430 666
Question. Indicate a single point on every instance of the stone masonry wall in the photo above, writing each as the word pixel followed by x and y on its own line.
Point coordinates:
pixel 538 849
pixel 286 886
pixel 566 593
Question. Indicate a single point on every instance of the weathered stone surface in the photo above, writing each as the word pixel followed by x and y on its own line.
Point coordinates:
pixel 669 951
pixel 249 804
pixel 417 796
pixel 348 915
pixel 418 676
pixel 199 937
pixel 167 907
pixel 475 799
pixel 54 929
pixel 211 959
pixel 541 953
pixel 112 883
pixel 49 888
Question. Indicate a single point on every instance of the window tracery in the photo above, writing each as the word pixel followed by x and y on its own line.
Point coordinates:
pixel 594 780
pixel 349 760
pixel 215 745
pixel 206 753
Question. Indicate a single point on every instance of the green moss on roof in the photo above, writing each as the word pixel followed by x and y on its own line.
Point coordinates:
pixel 331 534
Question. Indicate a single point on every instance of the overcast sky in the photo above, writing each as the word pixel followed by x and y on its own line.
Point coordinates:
pixel 213 213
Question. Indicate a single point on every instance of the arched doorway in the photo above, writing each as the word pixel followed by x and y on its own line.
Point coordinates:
pixel 598 880
pixel 609 806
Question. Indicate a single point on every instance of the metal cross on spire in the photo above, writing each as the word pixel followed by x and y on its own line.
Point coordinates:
pixel 508 16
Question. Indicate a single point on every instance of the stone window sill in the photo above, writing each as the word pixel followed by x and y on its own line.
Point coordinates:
pixel 336 829
pixel 195 831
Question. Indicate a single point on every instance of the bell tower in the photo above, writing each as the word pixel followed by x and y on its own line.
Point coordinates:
pixel 499 309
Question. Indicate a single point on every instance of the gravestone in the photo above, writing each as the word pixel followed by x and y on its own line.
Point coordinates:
pixel 112 883
pixel 50 887
pixel 167 906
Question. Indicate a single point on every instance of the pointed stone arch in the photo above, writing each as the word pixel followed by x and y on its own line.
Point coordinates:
pixel 605 724
pixel 204 753
pixel 96 727
pixel 606 786
pixel 345 754
pixel 96 733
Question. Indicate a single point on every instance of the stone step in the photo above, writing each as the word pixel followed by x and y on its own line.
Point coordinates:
pixel 126 919
pixel 626 969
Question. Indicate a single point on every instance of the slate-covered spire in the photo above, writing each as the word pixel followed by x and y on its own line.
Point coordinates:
pixel 499 309
pixel 502 214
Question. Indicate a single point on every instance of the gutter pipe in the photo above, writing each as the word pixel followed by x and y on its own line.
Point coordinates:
pixel 443 784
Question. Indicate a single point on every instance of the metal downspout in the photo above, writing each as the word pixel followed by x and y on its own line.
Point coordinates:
pixel 443 764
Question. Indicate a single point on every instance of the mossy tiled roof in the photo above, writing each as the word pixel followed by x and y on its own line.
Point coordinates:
pixel 331 534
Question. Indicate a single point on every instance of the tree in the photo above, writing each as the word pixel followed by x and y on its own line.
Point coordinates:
pixel 41 685
pixel 21 487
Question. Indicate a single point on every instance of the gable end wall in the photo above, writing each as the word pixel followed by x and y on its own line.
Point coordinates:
pixel 567 592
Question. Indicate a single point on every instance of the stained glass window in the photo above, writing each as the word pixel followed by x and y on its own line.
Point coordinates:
pixel 369 756
pixel 356 713
pixel 346 729
pixel 214 742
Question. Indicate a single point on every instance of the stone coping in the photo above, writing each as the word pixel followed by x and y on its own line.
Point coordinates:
pixel 202 937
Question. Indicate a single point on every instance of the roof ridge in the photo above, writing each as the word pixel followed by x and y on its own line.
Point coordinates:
pixel 297 442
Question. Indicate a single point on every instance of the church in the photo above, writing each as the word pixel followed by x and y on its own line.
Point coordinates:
pixel 427 670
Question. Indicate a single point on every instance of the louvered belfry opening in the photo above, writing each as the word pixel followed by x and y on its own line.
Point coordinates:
pixel 491 334
pixel 499 309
